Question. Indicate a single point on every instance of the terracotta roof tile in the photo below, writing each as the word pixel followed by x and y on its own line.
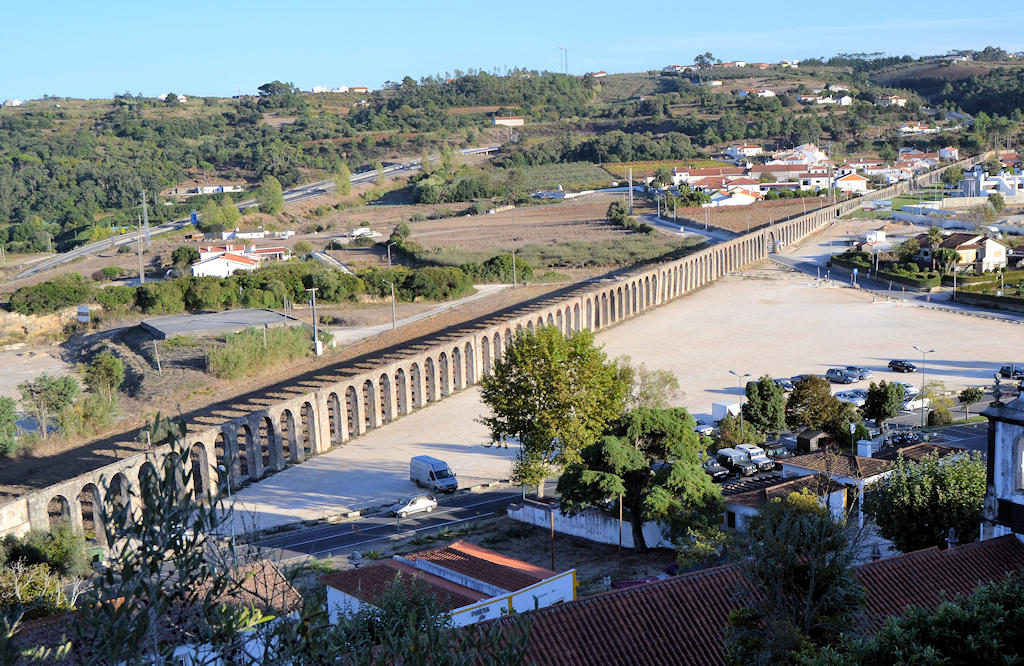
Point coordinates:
pixel 755 492
pixel 484 565
pixel 369 583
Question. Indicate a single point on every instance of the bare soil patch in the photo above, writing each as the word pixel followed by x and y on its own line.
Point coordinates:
pixel 737 218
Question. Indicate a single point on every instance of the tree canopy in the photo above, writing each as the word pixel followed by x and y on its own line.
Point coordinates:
pixel 652 458
pixel 46 395
pixel 765 408
pixel 556 394
pixel 884 401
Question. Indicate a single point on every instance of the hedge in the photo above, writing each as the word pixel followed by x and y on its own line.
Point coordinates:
pixel 911 280
pixel 52 295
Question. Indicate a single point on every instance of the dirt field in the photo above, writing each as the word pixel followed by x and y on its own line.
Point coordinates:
pixel 737 218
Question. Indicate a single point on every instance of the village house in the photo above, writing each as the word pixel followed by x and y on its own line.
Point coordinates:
pixel 599 75
pixel 891 100
pixel 977 252
pixel 949 154
pixel 684 176
pixel 743 150
pixel 852 183
pixel 508 121
pixel 978 183
pixel 754 92
pixel 744 498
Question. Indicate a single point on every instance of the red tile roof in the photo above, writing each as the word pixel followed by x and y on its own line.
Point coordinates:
pixel 369 583
pixel 755 492
pixel 239 259
pixel 484 565
pixel 682 620
pixel 715 171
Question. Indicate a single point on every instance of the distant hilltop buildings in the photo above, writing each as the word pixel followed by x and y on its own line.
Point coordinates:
pixel 318 90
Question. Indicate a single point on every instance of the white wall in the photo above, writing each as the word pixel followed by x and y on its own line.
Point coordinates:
pixel 589 524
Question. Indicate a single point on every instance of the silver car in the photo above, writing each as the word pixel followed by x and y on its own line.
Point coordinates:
pixel 414 504
pixel 854 399
pixel 861 371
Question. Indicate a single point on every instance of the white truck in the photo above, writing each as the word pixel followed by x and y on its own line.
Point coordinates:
pixel 432 473
pixel 720 409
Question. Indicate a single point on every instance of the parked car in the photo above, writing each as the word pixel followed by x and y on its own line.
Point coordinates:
pixel 714 470
pixel 414 504
pixel 800 378
pixel 861 371
pixel 897 365
pixel 909 389
pixel 777 451
pixel 1012 371
pixel 736 461
pixel 786 384
pixel 841 376
pixel 704 428
pixel 757 456
pixel 854 399
pixel 914 403
pixel 433 474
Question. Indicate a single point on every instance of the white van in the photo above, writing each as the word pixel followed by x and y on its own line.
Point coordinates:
pixel 432 473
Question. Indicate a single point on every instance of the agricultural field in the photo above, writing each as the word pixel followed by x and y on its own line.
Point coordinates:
pixel 620 87
pixel 572 176
pixel 643 169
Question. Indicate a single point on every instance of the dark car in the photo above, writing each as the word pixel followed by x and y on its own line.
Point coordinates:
pixel 737 461
pixel 714 470
pixel 800 378
pixel 784 383
pixel 1012 371
pixel 776 452
pixel 841 376
pixel 897 365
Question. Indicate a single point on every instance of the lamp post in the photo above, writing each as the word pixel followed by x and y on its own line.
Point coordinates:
pixel 316 332
pixel 394 318
pixel 742 395
pixel 388 247
pixel 223 470
pixel 924 352
pixel 515 279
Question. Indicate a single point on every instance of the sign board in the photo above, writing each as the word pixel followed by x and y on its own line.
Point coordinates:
pixel 854 271
pixel 853 428
pixel 83 314
pixel 194 218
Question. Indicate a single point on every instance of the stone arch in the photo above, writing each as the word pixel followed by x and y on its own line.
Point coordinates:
pixel 386 400
pixel 590 314
pixel 58 510
pixel 118 492
pixel 88 505
pixel 458 372
pixel 220 450
pixel 334 418
pixel 612 307
pixel 769 247
pixel 470 360
pixel 550 321
pixel 485 355
pixel 401 393
pixel 645 300
pixel 529 325
pixel 559 322
pixel 174 468
pixel 369 405
pixel 431 379
pixel 540 321
pixel 632 299
pixel 416 392
pixel 243 442
pixel 289 438
pixel 265 444
pixel 352 411
pixel 622 306
pixel 442 371
pixel 576 317
pixel 308 429
pixel 199 471
pixel 147 475
pixel 498 351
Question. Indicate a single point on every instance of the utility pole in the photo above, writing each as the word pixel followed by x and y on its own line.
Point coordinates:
pixel 145 219
pixel 515 278
pixel 156 353
pixel 142 271
pixel 316 332
pixel 630 190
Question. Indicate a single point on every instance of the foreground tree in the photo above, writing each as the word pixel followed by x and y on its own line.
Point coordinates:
pixel 270 196
pixel 765 408
pixel 184 256
pixel 918 502
pixel 651 459
pixel 968 397
pixel 811 404
pixel 8 426
pixel 46 395
pixel 556 394
pixel 799 567
pixel 656 389
pixel 105 375
pixel 884 401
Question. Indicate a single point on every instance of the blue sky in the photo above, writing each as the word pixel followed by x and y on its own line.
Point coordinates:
pixel 217 47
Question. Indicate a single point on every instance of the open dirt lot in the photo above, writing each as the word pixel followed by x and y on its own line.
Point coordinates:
pixel 741 218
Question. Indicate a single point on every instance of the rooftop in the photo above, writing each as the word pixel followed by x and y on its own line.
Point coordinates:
pixel 369 584
pixel 484 565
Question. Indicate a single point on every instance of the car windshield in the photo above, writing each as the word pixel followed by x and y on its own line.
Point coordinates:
pixel 406 500
pixel 443 473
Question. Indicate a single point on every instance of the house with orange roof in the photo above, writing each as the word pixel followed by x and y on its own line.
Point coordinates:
pixel 224 265
pixel 852 182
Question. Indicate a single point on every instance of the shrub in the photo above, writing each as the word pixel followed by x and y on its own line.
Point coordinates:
pixel 34 588
pixel 124 249
pixel 112 272
pixel 118 297
pixel 243 353
pixel 940 417
pixel 303 247
pixel 161 297
pixel 52 295
pixel 60 549
pixel 362 241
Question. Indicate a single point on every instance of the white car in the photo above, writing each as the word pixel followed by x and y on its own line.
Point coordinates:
pixel 704 429
pixel 757 456
pixel 854 399
pixel 414 504
pixel 914 403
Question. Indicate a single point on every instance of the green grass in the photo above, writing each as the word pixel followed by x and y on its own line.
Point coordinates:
pixel 641 169
pixel 243 353
pixel 573 176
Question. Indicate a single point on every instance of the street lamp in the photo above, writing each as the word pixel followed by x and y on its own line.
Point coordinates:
pixel 388 247
pixel 394 319
pixel 923 353
pixel 221 469
pixel 742 395
pixel 316 336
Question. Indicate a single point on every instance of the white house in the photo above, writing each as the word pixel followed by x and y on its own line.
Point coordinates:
pixel 743 150
pixel 242 234
pixel 211 251
pixel 223 265
pixel 891 100
pixel 470 582
pixel 845 100
pixel 949 154
pixel 754 92
pixel 13 102
pixel 852 182
pixel 743 499
pixel 814 181
pixel 736 197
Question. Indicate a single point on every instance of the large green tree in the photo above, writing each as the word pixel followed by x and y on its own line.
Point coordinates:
pixel 953 175
pixel 798 562
pixel 968 397
pixel 184 256
pixel 556 394
pixel 652 459
pixel 8 426
pixel 343 179
pixel 105 374
pixel 270 196
pixel 656 389
pixel 46 395
pixel 811 404
pixel 884 401
pixel 765 408
pixel 917 503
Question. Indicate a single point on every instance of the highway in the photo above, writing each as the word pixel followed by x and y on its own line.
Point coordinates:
pixel 369 533
pixel 295 194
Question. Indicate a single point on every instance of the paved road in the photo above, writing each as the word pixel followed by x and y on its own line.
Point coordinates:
pixel 295 194
pixel 367 533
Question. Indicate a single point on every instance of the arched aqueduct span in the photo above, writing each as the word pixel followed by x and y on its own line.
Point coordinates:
pixel 261 442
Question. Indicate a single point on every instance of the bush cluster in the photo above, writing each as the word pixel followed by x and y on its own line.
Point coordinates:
pixel 52 295
pixel 244 353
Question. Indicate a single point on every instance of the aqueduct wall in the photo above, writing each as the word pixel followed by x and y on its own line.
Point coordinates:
pixel 261 442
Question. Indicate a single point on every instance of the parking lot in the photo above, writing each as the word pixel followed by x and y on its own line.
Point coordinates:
pixel 764 321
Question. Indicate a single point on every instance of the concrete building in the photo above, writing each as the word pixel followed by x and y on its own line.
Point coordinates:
pixel 891 100
pixel 508 121
pixel 852 182
pixel 743 150
pixel 470 582
pixel 744 498
pixel 976 251
pixel 223 265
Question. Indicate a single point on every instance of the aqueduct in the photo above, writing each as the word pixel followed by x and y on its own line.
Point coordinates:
pixel 256 443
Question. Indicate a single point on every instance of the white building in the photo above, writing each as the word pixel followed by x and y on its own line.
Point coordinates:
pixel 13 102
pixel 891 100
pixel 508 121
pixel 754 92
pixel 845 100
pixel 852 182
pixel 743 150
pixel 743 499
pixel 949 154
pixel 471 583
pixel 224 265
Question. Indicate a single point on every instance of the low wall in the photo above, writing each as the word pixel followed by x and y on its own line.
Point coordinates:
pixel 967 202
pixel 1007 303
pixel 591 525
